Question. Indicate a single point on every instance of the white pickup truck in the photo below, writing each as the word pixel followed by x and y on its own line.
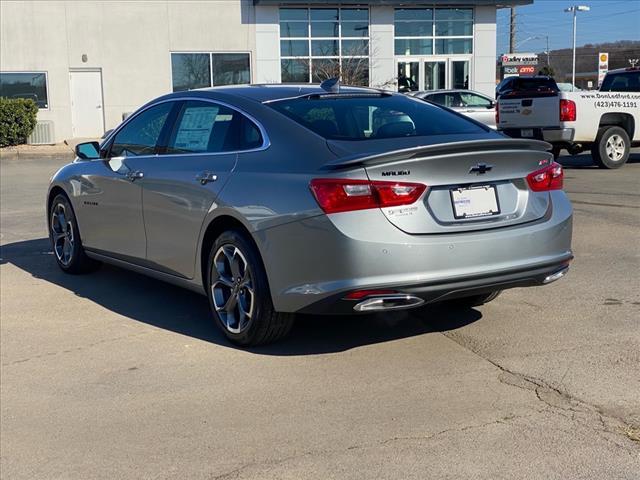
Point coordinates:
pixel 606 121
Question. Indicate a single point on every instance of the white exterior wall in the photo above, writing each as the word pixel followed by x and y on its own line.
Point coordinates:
pixel 129 41
pixel 267 44
pixel 483 79
pixel 381 45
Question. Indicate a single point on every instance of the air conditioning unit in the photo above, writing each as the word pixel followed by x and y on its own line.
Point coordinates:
pixel 42 134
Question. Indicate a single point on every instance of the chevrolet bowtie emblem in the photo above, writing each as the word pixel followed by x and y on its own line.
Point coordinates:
pixel 480 168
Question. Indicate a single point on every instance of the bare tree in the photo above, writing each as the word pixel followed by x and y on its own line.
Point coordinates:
pixel 354 69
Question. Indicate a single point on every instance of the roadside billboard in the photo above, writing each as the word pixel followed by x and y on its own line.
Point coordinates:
pixel 517 59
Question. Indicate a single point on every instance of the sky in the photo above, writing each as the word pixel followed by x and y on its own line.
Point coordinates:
pixel 607 21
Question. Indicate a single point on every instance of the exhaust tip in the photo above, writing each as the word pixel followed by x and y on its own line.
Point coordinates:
pixel 388 302
pixel 556 276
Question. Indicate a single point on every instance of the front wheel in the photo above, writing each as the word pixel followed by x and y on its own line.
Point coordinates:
pixel 65 238
pixel 239 294
pixel 611 148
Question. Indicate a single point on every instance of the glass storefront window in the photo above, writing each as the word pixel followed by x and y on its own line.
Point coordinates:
pixel 295 70
pixel 31 85
pixel 452 46
pixel 316 44
pixel 416 30
pixel 190 70
pixel 201 70
pixel 413 46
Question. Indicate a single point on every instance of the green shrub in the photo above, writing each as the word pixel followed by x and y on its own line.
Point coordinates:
pixel 17 120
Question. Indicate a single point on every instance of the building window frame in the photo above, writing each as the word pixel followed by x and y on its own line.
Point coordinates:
pixel 342 55
pixel 211 54
pixel 433 38
pixel 47 106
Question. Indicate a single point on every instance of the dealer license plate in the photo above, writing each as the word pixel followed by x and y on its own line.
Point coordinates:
pixel 473 202
pixel 526 132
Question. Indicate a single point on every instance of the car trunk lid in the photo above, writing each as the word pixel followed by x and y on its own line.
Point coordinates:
pixel 472 185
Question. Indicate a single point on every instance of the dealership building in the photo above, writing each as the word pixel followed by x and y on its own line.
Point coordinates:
pixel 89 64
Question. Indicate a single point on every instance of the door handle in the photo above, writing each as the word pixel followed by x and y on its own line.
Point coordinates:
pixel 206 177
pixel 135 175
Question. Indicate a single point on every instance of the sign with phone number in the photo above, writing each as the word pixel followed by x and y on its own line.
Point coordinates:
pixel 614 104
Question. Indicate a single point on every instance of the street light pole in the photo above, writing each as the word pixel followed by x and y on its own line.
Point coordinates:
pixel 575 9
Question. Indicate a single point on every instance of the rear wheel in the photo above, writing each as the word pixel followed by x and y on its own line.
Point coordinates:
pixel 65 238
pixel 611 148
pixel 239 294
pixel 477 300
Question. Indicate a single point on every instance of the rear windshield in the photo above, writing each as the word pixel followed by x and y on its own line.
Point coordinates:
pixel 621 82
pixel 373 117
pixel 535 84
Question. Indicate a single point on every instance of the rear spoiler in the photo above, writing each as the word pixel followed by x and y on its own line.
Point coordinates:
pixel 435 150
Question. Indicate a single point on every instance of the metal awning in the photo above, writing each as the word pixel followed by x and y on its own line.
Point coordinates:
pixel 404 3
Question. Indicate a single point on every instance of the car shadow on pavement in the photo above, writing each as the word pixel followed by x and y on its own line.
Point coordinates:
pixel 165 306
pixel 570 162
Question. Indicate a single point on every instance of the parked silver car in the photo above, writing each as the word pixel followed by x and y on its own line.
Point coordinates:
pixel 467 102
pixel 278 199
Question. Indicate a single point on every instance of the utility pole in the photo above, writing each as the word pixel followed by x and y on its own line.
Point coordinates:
pixel 512 31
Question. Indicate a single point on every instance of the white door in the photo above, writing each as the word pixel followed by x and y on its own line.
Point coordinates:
pixel 87 118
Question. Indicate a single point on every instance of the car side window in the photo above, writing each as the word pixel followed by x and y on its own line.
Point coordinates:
pixel 447 99
pixel 140 135
pixel 206 127
pixel 472 100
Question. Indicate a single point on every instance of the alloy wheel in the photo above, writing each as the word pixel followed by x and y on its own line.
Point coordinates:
pixel 232 288
pixel 615 148
pixel 62 234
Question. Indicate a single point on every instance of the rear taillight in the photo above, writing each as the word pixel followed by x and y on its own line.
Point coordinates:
pixel 344 195
pixel 567 110
pixel 360 294
pixel 497 113
pixel 547 178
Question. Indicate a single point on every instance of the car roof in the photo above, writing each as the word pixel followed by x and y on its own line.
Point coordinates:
pixel 622 70
pixel 450 90
pixel 268 92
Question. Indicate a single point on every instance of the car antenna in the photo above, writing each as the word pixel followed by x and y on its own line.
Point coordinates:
pixel 332 85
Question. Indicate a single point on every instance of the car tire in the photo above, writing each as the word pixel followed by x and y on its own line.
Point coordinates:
pixel 239 295
pixel 611 148
pixel 65 238
pixel 477 300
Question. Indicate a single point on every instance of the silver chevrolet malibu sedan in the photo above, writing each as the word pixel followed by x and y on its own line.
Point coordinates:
pixel 274 200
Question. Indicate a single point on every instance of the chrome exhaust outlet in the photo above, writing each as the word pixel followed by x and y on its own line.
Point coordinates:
pixel 556 276
pixel 388 302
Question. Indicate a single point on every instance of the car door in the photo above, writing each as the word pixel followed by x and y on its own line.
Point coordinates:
pixel 478 107
pixel 180 185
pixel 111 219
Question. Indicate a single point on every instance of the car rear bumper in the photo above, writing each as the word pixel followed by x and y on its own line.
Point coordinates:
pixel 325 257
pixel 438 291
pixel 548 134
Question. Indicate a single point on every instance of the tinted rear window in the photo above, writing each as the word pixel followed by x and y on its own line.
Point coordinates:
pixel 621 82
pixel 374 117
pixel 535 84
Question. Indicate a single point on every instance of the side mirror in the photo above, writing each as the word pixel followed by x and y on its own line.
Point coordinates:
pixel 88 150
pixel 492 105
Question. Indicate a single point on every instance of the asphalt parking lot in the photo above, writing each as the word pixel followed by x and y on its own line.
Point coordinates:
pixel 115 375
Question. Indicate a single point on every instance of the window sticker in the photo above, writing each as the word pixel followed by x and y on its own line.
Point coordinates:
pixel 195 128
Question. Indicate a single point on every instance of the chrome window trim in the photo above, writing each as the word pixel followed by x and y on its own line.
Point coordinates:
pixel 266 141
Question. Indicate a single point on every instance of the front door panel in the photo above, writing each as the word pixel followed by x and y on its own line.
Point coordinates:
pixel 110 209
